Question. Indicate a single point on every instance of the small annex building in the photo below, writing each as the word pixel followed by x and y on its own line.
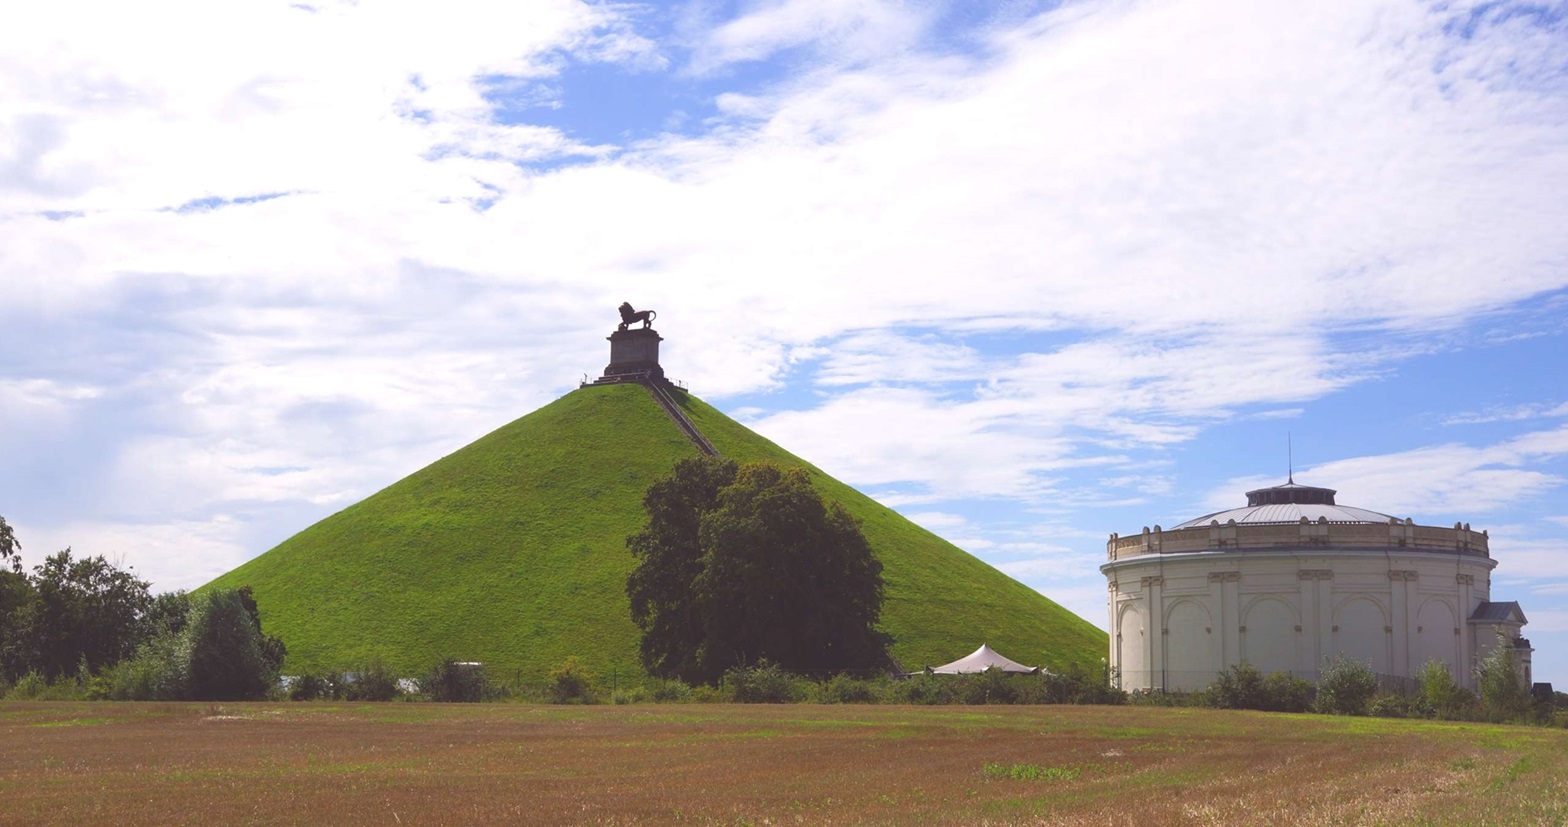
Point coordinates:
pixel 979 661
pixel 1294 579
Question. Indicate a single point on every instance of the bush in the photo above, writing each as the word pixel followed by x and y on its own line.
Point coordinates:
pixel 1346 687
pixel 453 681
pixel 928 690
pixel 1504 696
pixel 159 672
pixel 843 689
pixel 311 686
pixel 705 694
pixel 1077 684
pixel 1396 706
pixel 375 682
pixel 1441 695
pixel 993 686
pixel 571 683
pixel 665 692
pixel 30 687
pixel 1238 687
pixel 763 683
pixel 633 695
pixel 1284 692
pixel 1159 697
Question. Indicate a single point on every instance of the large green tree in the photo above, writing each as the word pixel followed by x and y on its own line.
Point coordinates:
pixel 230 658
pixel 739 563
pixel 10 549
pixel 86 610
pixel 16 606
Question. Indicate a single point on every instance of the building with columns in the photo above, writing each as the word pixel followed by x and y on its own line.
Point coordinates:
pixel 1293 579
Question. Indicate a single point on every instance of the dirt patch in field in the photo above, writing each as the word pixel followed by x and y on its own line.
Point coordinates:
pixel 503 764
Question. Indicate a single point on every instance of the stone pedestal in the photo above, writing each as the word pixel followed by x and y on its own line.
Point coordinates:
pixel 634 354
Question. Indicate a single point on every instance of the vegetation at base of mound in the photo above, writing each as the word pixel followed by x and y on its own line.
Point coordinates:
pixel 941 602
pixel 512 551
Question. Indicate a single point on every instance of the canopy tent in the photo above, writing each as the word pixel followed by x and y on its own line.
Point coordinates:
pixel 983 658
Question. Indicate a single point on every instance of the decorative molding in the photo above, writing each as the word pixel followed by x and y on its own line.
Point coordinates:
pixel 1146 582
pixel 1315 574
pixel 1224 576
pixel 1402 574
pixel 1465 579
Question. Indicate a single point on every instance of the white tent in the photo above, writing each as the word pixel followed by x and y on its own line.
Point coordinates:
pixel 983 658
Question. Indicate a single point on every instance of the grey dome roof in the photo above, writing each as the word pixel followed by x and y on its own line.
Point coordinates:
pixel 1289 503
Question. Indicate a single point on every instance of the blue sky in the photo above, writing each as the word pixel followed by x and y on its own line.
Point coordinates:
pixel 1032 273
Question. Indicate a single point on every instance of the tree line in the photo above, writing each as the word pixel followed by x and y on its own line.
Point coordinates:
pixel 89 620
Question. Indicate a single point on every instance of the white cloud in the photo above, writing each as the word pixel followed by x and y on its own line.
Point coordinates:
pixel 1512 413
pixel 843 30
pixel 1174 220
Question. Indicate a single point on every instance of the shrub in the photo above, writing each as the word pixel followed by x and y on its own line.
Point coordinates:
pixel 375 682
pixel 704 694
pixel 311 686
pixel 843 689
pixel 30 687
pixel 1441 695
pixel 671 692
pixel 1077 684
pixel 453 681
pixel 158 672
pixel 1159 697
pixel 928 690
pixel 1284 692
pixel 1396 706
pixel 763 683
pixel 571 683
pixel 993 686
pixel 1502 690
pixel 631 695
pixel 1238 687
pixel 1346 687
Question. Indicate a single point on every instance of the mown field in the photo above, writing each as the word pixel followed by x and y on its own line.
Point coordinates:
pixel 408 763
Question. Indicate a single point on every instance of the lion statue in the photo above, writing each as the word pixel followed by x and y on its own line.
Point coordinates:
pixel 628 315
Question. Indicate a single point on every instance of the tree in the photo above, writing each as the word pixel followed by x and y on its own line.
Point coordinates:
pixel 1345 687
pixel 1504 695
pixel 10 549
pixel 84 610
pixel 18 604
pixel 740 563
pixel 229 657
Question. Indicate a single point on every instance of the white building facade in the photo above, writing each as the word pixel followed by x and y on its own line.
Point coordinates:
pixel 1293 580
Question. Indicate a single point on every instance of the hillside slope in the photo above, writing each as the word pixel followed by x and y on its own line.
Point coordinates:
pixel 512 551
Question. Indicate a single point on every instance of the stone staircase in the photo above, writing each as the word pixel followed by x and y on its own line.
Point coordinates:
pixel 661 394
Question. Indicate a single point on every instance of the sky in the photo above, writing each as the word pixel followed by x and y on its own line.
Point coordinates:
pixel 1029 272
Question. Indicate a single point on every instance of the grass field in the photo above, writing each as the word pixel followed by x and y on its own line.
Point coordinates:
pixel 512 551
pixel 406 763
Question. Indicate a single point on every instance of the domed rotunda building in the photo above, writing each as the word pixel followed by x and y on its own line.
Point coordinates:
pixel 1294 579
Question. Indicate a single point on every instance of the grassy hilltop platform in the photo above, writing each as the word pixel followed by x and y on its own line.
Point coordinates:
pixel 512 551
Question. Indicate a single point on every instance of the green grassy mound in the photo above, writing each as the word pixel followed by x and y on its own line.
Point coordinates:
pixel 512 551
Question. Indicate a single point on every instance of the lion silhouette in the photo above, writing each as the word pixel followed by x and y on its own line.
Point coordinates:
pixel 628 315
